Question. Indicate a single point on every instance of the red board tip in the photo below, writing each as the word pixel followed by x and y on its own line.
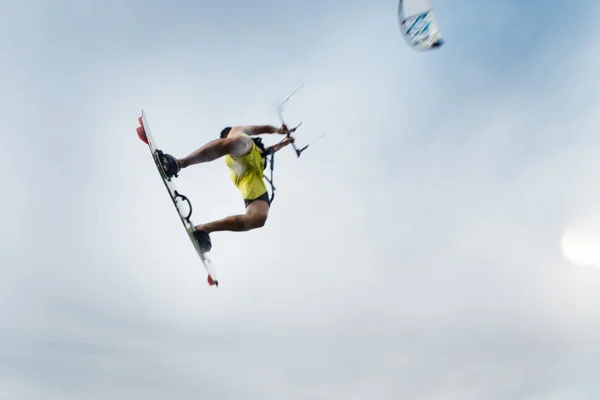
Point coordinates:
pixel 210 280
pixel 142 134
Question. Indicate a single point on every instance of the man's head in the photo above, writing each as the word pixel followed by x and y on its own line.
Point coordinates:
pixel 225 132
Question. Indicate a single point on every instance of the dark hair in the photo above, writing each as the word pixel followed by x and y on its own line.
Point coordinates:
pixel 225 132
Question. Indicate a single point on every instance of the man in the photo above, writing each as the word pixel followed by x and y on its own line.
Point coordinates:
pixel 245 157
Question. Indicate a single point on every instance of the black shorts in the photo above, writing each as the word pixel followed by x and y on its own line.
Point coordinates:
pixel 264 196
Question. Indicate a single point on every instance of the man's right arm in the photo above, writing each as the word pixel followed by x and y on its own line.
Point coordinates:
pixel 253 130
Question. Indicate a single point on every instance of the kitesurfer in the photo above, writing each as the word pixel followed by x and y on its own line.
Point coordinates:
pixel 245 156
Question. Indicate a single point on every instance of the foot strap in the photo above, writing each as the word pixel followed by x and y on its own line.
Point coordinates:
pixel 203 239
pixel 169 163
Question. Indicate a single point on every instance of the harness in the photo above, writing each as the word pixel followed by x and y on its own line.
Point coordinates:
pixel 269 156
pixel 271 160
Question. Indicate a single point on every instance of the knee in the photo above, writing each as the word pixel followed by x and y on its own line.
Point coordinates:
pixel 257 221
pixel 260 220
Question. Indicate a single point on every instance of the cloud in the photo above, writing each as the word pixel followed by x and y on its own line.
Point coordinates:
pixel 413 252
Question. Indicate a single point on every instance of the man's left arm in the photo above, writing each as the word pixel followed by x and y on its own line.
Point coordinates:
pixel 276 147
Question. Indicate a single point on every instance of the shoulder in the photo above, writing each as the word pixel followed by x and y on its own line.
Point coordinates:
pixel 238 134
pixel 238 143
pixel 238 131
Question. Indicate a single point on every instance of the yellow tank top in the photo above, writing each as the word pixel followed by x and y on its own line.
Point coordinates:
pixel 247 173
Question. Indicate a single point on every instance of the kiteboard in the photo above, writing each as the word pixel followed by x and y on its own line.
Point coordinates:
pixel 145 135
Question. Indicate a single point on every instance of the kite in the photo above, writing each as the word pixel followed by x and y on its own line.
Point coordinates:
pixel 418 24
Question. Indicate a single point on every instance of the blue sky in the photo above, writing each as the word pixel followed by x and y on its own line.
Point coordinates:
pixel 414 252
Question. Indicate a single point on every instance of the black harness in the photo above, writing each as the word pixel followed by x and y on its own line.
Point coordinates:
pixel 269 156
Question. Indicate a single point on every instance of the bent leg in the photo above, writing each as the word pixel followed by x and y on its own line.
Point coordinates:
pixel 237 146
pixel 256 216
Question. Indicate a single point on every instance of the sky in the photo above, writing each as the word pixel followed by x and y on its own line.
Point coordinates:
pixel 417 251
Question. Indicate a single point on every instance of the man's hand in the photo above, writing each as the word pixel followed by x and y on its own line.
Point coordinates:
pixel 283 129
pixel 286 131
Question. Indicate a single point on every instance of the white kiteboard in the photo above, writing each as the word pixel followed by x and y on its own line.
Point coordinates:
pixel 177 197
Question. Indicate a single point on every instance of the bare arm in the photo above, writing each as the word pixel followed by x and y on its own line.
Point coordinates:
pixel 285 142
pixel 253 130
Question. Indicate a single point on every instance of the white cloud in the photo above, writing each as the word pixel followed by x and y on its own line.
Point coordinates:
pixel 413 252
